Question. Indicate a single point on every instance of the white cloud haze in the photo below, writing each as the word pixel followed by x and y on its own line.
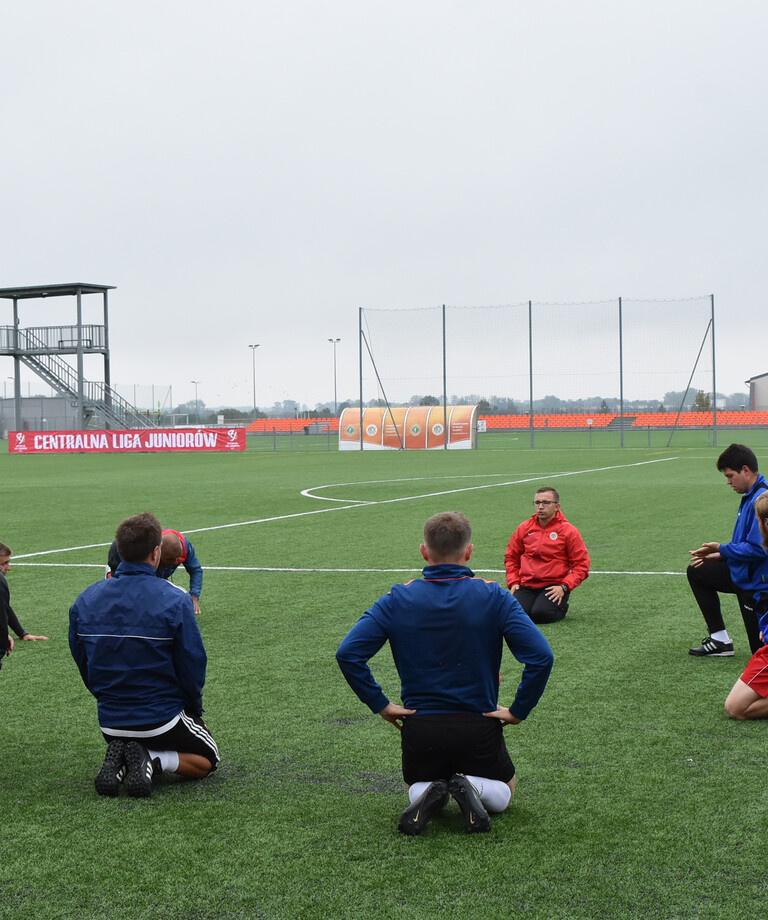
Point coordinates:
pixel 251 172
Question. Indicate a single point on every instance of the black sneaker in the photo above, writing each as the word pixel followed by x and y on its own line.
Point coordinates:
pixel 711 648
pixel 419 813
pixel 476 820
pixel 138 779
pixel 112 771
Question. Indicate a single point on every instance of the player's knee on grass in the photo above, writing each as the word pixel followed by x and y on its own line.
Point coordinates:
pixel 739 700
pixel 194 766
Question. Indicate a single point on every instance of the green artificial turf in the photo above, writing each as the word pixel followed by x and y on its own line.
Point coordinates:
pixel 636 797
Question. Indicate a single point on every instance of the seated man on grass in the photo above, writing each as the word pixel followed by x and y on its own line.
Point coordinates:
pixel 137 644
pixel 749 697
pixel 446 632
pixel 545 560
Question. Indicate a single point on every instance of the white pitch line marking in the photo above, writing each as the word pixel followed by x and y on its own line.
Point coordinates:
pixel 489 485
pixel 308 493
pixel 264 568
pixel 362 504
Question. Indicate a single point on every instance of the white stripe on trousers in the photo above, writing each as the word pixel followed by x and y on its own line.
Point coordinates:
pixel 201 732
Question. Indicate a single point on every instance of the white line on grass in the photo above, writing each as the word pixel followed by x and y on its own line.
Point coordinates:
pixel 489 485
pixel 266 568
pixel 308 493
pixel 358 503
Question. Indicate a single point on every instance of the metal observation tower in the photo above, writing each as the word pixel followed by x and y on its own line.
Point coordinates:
pixel 40 348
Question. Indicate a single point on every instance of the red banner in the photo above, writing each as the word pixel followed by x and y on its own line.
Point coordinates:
pixel 134 441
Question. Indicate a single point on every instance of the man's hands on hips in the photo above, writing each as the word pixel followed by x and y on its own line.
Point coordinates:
pixel 394 714
pixel 503 715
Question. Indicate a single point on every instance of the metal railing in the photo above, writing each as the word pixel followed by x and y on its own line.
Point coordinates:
pixel 97 396
pixel 46 339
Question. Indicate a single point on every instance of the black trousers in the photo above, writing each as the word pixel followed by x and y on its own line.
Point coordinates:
pixel 713 578
pixel 539 607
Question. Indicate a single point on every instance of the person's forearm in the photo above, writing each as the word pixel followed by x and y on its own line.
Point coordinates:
pixel 13 623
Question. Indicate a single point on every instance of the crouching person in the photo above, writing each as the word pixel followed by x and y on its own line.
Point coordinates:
pixel 137 644
pixel 446 632
pixel 749 697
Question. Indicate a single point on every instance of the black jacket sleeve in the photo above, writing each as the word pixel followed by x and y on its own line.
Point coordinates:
pixel 113 558
pixel 5 606
pixel 13 623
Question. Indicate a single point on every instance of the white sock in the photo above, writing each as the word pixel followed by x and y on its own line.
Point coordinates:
pixel 416 790
pixel 494 794
pixel 169 760
pixel 721 636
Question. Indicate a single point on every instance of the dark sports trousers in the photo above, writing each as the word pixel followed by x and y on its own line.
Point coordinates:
pixel 713 578
pixel 539 607
pixel 437 745
pixel 189 735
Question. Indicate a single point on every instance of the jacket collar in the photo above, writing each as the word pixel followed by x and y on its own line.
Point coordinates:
pixel 134 568
pixel 759 483
pixel 447 570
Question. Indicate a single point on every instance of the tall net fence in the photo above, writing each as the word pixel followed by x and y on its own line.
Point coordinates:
pixel 152 398
pixel 624 366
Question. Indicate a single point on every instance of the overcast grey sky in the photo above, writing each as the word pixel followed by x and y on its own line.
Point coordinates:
pixel 252 172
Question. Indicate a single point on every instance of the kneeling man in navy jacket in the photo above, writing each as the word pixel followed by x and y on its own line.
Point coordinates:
pixel 446 632
pixel 137 644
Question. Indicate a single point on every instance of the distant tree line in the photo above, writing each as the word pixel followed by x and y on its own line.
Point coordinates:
pixel 690 400
pixel 673 401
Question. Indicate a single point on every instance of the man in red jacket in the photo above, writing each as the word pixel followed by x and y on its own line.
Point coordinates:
pixel 545 560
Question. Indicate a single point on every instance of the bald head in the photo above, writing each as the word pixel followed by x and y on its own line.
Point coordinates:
pixel 170 549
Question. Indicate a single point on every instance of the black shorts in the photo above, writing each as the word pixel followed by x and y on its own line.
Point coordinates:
pixel 437 745
pixel 189 735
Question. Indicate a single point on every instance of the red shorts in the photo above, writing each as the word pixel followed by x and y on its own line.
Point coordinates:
pixel 755 674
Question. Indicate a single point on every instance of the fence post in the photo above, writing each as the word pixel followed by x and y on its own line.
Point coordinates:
pixel 530 370
pixel 714 380
pixel 621 375
pixel 445 391
pixel 360 366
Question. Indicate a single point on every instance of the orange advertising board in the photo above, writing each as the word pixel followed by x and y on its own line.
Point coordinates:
pixel 409 428
pixel 393 427
pixel 416 428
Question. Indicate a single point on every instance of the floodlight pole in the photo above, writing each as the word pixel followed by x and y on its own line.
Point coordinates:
pixel 253 352
pixel 197 406
pixel 335 402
